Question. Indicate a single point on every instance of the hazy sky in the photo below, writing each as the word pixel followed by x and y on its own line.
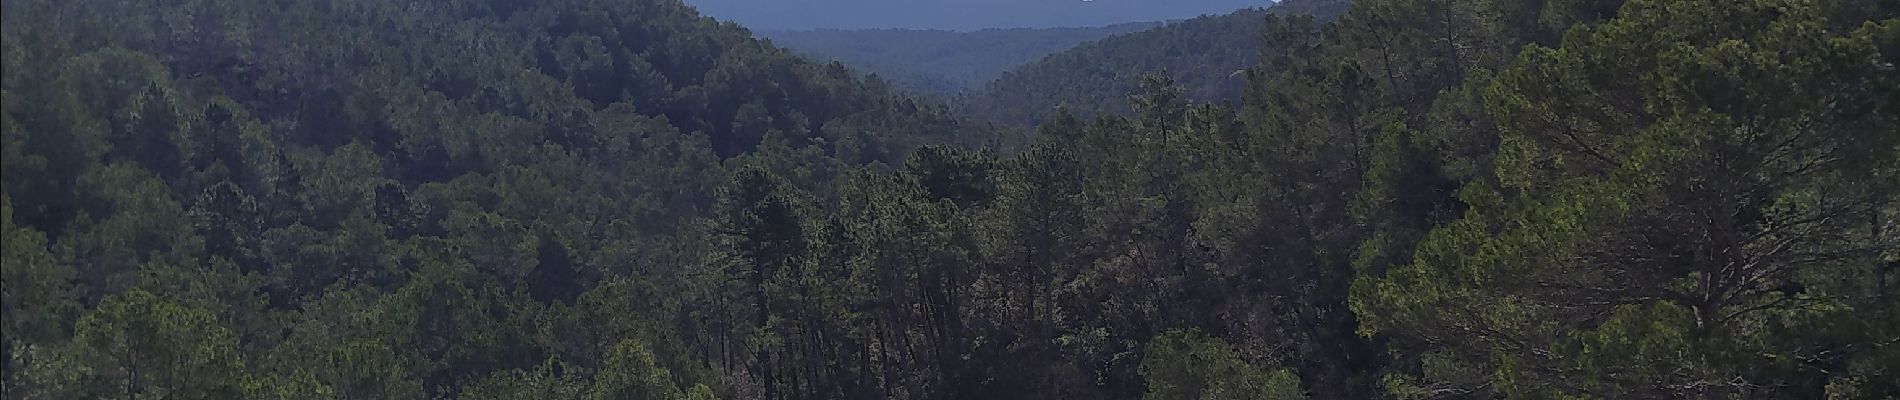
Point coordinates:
pixel 957 14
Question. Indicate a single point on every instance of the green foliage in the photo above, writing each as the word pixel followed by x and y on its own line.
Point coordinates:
pixel 630 373
pixel 1191 366
pixel 576 199
pixel 295 386
pixel 404 200
pixel 36 296
pixel 1666 214
pixel 136 345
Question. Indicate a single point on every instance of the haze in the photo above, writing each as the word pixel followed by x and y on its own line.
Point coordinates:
pixel 956 14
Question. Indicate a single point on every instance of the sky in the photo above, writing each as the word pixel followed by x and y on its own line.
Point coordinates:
pixel 956 14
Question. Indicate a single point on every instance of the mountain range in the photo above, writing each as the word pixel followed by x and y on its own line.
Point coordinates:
pixel 957 14
pixel 941 61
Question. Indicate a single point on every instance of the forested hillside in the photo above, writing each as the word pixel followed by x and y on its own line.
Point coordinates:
pixel 941 62
pixel 585 199
pixel 387 200
pixel 1205 55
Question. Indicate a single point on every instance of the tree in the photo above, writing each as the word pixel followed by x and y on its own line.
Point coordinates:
pixel 34 303
pixel 761 218
pixel 631 373
pixel 1186 365
pixel 299 385
pixel 575 198
pixel 1668 212
pixel 554 277
pixel 136 345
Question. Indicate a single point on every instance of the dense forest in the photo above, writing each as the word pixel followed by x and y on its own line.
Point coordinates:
pixel 621 199
pixel 1205 55
pixel 939 62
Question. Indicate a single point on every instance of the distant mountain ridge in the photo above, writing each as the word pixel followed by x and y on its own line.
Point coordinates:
pixel 941 61
pixel 957 14
pixel 1203 54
